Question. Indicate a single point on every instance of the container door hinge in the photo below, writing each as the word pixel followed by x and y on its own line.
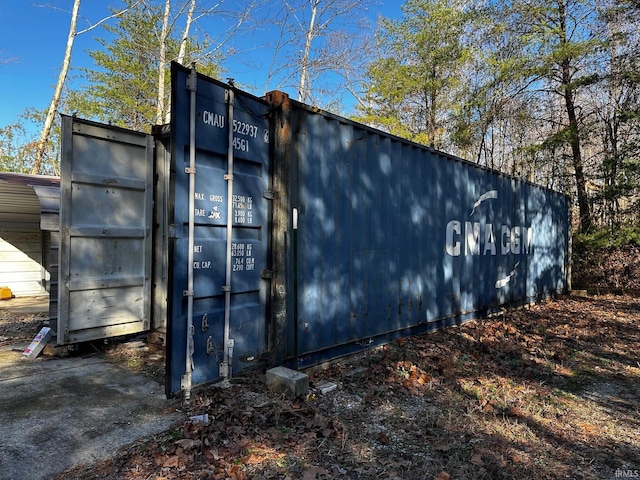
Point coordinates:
pixel 172 232
pixel 268 274
pixel 270 195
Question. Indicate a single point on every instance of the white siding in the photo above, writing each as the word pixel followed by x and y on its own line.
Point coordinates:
pixel 20 241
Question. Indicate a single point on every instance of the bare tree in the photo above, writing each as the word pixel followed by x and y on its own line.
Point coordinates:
pixel 317 37
pixel 304 61
pixel 185 33
pixel 160 107
pixel 46 130
pixel 55 101
pixel 194 11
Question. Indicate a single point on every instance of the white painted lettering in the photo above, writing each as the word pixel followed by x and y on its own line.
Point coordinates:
pixel 213 119
pixel 472 232
pixel 481 239
pixel 245 129
pixel 515 240
pixel 528 239
pixel 489 240
pixel 453 244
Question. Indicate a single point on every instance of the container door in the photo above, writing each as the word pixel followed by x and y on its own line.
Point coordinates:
pixel 105 239
pixel 198 333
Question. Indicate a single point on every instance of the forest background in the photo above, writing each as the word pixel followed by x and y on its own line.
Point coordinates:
pixel 547 91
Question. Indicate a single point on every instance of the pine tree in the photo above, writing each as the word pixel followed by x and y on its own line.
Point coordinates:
pixel 123 88
pixel 416 80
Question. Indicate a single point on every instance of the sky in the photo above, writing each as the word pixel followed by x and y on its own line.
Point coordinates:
pixel 33 36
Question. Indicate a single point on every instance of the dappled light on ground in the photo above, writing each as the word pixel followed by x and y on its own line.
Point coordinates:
pixel 551 391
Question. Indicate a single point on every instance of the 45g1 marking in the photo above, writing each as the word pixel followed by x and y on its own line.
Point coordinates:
pixel 241 144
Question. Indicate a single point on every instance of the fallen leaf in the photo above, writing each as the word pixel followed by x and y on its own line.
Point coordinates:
pixel 212 454
pixel 189 443
pixel 312 472
pixel 236 473
pixel 172 461
pixel 476 460
pixel 442 447
pixel 384 438
pixel 488 408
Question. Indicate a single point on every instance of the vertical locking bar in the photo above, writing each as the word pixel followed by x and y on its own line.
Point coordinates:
pixel 227 362
pixel 192 86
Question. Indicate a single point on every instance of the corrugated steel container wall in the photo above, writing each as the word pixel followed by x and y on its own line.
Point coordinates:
pixel 395 238
pixel 106 206
pixel 249 229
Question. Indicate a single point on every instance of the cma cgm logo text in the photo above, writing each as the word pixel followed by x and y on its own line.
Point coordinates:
pixel 475 238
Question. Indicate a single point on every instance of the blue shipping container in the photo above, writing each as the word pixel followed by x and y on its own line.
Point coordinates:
pixel 392 238
pixel 219 235
pixel 341 237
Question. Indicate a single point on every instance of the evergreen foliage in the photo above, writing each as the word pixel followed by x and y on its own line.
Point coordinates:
pixel 607 239
pixel 413 84
pixel 547 91
pixel 122 89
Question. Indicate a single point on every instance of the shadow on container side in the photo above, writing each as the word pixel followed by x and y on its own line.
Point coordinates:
pixel 263 232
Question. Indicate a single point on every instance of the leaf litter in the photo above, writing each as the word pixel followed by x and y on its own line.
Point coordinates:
pixel 548 391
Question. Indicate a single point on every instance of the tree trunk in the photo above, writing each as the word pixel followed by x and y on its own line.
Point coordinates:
pixel 162 63
pixel 181 54
pixel 185 34
pixel 574 133
pixel 55 101
pixel 304 68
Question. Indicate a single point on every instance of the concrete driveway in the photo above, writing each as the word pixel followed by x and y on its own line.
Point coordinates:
pixel 56 413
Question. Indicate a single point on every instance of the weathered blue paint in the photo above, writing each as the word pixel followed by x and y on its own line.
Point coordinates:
pixel 395 238
pixel 250 224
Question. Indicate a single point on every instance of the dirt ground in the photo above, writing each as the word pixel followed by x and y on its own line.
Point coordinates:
pixel 22 318
pixel 552 391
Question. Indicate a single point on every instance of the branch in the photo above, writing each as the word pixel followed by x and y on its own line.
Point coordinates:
pixel 100 22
